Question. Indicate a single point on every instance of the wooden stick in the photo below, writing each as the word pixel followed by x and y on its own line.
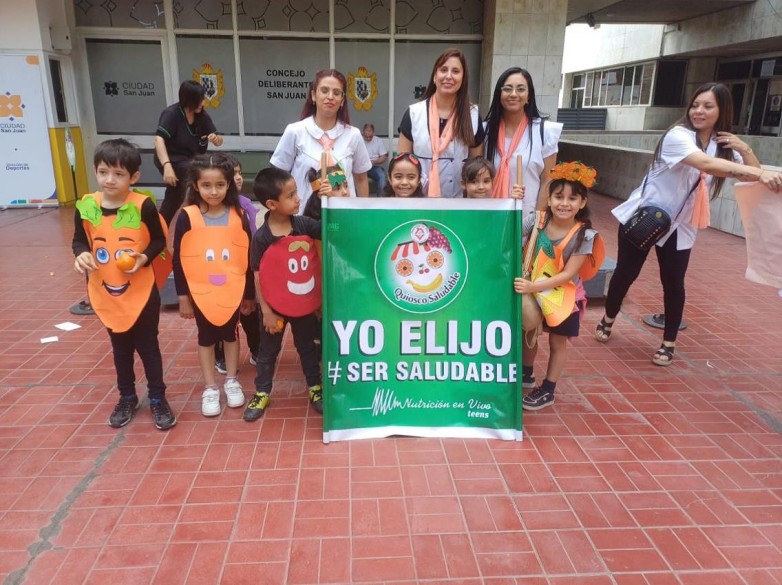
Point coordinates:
pixel 519 171
pixel 324 163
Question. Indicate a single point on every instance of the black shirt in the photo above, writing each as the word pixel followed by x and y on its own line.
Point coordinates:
pixel 183 140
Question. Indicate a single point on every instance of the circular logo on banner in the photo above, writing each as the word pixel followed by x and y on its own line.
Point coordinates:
pixel 421 266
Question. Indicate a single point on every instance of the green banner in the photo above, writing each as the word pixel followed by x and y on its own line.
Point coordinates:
pixel 421 326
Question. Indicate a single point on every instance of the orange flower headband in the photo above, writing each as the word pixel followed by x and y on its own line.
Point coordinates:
pixel 576 172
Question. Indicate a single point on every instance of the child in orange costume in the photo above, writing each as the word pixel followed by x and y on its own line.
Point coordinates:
pixel 563 244
pixel 211 271
pixel 108 224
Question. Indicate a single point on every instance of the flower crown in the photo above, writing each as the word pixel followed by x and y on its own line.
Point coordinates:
pixel 576 172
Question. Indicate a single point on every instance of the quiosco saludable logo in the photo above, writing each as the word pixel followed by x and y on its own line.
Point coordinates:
pixel 421 266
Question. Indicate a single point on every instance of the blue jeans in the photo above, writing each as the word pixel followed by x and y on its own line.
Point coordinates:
pixel 378 174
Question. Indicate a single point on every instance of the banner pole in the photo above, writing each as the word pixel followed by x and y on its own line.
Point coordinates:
pixel 519 171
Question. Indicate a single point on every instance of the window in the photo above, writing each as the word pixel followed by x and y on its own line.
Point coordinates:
pixel 127 85
pixel 669 89
pixel 611 87
pixel 577 91
pixel 619 86
pixel 256 58
pixel 627 86
pixel 590 80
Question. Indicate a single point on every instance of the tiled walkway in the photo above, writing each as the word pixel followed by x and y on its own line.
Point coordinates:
pixel 639 475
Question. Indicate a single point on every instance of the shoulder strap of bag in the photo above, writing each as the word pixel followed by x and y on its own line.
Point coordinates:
pixel 529 250
pixel 692 190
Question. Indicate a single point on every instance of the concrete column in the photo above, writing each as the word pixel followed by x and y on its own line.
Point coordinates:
pixel 528 34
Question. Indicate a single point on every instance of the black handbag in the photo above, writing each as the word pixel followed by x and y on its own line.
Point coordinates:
pixel 649 223
pixel 646 226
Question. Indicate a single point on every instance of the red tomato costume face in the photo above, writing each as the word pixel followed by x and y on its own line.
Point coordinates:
pixel 215 261
pixel 290 276
pixel 117 297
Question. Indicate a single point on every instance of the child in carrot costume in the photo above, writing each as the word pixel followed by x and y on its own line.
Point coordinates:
pixel 211 271
pixel 113 226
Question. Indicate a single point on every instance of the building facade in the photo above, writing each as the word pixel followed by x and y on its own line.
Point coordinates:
pixel 108 69
pixel 643 74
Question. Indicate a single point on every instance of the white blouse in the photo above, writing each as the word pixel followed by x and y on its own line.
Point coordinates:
pixel 670 183
pixel 532 161
pixel 298 151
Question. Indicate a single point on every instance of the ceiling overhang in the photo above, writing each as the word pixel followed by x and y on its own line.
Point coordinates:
pixel 594 12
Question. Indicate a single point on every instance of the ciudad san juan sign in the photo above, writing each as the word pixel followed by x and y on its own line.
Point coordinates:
pixel 421 327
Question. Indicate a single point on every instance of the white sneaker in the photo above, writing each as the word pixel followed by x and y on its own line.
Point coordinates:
pixel 210 402
pixel 233 393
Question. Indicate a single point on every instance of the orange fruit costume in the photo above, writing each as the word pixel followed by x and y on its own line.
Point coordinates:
pixel 118 297
pixel 558 303
pixel 214 261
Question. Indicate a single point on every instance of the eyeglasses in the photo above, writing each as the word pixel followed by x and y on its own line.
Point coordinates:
pixel 325 91
pixel 509 89
pixel 406 155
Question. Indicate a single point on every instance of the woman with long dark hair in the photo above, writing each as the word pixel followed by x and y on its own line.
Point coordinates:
pixel 324 126
pixel 514 126
pixel 443 130
pixel 183 131
pixel 692 158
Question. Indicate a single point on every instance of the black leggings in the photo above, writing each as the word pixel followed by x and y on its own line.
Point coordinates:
pixel 673 266
pixel 142 338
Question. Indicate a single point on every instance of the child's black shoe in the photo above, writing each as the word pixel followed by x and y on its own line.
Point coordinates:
pixel 162 415
pixel 123 412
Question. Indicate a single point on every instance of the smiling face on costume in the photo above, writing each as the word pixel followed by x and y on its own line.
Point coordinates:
pixel 215 265
pixel 290 276
pixel 108 245
pixel 109 283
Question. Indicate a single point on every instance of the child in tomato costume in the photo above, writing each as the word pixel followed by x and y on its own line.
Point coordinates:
pixel 108 223
pixel 288 285
pixel 567 251
pixel 211 271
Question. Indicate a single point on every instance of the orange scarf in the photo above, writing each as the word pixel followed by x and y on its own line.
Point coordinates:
pixel 502 181
pixel 700 211
pixel 439 144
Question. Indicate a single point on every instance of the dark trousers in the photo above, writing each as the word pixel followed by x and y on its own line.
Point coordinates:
pixel 141 338
pixel 305 332
pixel 175 196
pixel 252 325
pixel 673 266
